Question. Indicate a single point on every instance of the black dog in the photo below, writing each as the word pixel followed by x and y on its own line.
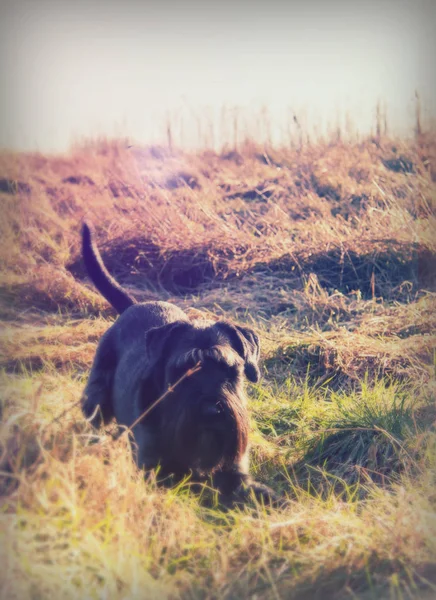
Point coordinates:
pixel 201 427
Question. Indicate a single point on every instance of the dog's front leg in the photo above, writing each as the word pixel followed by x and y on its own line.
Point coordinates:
pixel 144 446
pixel 236 486
pixel 97 398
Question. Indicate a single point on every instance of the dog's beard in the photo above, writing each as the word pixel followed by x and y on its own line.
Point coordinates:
pixel 199 446
pixel 195 445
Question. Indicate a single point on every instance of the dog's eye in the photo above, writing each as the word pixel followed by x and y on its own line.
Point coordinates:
pixel 211 408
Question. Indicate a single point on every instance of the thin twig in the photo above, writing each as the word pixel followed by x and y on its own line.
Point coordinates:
pixel 63 413
pixel 170 389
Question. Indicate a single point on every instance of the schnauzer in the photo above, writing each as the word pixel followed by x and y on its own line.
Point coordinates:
pixel 201 427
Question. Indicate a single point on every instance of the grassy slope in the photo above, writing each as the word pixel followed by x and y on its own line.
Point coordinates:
pixel 328 252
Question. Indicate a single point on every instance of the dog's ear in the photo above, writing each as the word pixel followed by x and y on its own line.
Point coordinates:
pixel 253 353
pixel 247 345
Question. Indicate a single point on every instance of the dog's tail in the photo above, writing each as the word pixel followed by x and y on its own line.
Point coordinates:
pixel 100 276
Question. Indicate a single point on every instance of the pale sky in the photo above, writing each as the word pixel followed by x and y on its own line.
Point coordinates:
pixel 79 69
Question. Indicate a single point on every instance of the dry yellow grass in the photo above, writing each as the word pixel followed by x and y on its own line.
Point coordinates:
pixel 328 252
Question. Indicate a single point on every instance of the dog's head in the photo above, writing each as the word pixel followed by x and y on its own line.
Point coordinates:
pixel 204 420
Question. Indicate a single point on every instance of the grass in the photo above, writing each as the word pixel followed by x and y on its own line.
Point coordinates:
pixel 327 250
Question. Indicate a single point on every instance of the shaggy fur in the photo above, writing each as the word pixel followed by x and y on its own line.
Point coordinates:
pixel 201 427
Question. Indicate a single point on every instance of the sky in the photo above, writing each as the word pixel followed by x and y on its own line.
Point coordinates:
pixel 71 70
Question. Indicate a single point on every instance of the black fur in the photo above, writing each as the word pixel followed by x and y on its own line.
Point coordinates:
pixel 201 427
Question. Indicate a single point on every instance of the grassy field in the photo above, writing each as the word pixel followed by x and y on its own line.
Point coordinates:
pixel 328 251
